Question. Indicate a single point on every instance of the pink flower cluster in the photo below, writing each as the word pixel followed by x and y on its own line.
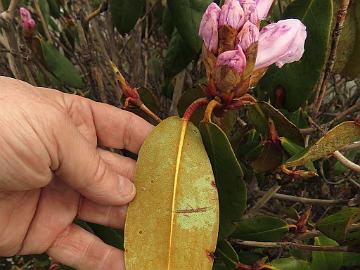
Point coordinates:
pixel 27 22
pixel 280 43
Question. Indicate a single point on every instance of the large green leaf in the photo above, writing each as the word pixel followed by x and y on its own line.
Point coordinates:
pixel 228 177
pixel 326 260
pixel 289 264
pixel 227 254
pixel 338 137
pixel 60 66
pixel 299 79
pixel 259 115
pixel 261 228
pixel 178 55
pixel 336 226
pixel 125 13
pixel 173 221
pixel 186 15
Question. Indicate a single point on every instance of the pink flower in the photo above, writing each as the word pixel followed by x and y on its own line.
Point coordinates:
pixel 281 43
pixel 234 59
pixel 209 27
pixel 24 13
pixel 27 23
pixel 250 10
pixel 263 7
pixel 232 14
pixel 248 35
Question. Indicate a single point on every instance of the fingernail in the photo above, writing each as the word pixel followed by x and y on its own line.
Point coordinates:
pixel 126 187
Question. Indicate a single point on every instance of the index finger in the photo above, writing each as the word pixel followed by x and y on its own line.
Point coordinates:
pixel 117 128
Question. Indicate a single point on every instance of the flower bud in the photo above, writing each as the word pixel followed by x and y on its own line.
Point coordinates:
pixel 209 27
pixel 24 13
pixel 263 7
pixel 250 10
pixel 27 23
pixel 232 14
pixel 248 35
pixel 281 43
pixel 234 59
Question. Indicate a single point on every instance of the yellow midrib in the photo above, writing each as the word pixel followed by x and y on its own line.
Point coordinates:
pixel 177 168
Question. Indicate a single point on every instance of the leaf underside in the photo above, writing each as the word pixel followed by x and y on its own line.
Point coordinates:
pixel 173 221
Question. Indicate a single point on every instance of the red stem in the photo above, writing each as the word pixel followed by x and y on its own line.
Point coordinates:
pixel 194 106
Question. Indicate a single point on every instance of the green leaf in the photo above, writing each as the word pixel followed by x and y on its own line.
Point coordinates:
pixel 45 10
pixel 173 221
pixel 352 68
pixel 338 137
pixel 178 55
pixel 336 226
pixel 60 66
pixel 351 259
pixel 186 15
pixel 259 115
pixel 219 266
pixel 125 13
pixel 326 260
pixel 290 147
pixel 299 79
pixel 227 254
pixel 228 177
pixel 110 236
pixel 54 9
pixel 261 228
pixel 189 97
pixel 289 264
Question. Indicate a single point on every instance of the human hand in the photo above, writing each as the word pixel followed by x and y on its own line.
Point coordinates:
pixel 51 171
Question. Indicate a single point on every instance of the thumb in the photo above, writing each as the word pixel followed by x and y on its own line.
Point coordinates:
pixel 82 168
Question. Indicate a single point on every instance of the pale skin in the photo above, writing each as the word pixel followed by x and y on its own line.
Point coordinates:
pixel 52 171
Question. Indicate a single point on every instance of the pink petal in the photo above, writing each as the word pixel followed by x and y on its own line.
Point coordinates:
pixel 232 14
pixel 248 35
pixel 209 27
pixel 263 7
pixel 282 42
pixel 235 59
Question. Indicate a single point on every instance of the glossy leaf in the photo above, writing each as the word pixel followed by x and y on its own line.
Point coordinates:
pixel 109 235
pixel 173 221
pixel 60 66
pixel 299 79
pixel 259 115
pixel 186 15
pixel 261 228
pixel 336 226
pixel 289 264
pixel 125 13
pixel 326 260
pixel 338 137
pixel 178 55
pixel 227 253
pixel 228 177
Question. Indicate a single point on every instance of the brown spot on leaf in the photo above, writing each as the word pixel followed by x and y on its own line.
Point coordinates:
pixel 192 210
